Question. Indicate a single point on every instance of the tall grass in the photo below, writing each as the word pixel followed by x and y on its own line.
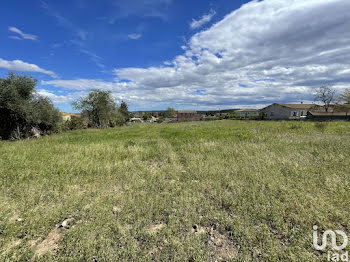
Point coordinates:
pixel 200 191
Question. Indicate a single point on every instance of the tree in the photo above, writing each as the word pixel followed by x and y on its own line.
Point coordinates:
pixel 326 96
pixel 98 107
pixel 170 112
pixel 118 119
pixel 22 110
pixel 45 116
pixel 124 110
pixel 345 97
pixel 147 116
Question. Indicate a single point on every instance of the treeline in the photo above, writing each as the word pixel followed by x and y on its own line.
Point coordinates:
pixel 24 113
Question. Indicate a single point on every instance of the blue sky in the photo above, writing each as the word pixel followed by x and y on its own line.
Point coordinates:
pixel 186 54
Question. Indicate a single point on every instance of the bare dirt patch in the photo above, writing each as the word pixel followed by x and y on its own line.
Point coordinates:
pixel 221 247
pixel 155 228
pixel 11 245
pixel 50 243
pixel 16 218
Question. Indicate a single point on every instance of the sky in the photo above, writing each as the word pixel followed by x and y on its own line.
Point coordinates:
pixel 193 54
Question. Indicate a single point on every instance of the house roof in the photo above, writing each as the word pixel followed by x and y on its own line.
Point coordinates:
pixel 329 113
pixel 297 106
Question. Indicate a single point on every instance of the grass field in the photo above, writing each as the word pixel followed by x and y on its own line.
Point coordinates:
pixel 201 191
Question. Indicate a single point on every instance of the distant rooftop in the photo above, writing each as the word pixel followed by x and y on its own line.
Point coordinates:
pixel 298 106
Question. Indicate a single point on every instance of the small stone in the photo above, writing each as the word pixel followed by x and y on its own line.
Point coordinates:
pixel 65 224
pixel 20 219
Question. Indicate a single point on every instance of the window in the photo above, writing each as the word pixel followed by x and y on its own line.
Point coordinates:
pixel 272 113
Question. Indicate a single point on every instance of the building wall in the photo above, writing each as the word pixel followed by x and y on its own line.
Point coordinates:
pixel 66 117
pixel 278 112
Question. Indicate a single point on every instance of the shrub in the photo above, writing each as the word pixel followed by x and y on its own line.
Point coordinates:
pixel 75 123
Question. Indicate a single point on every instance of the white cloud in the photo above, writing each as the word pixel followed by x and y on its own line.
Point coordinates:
pixel 54 98
pixel 85 84
pixel 203 20
pixel 22 35
pixel 18 65
pixel 134 36
pixel 266 51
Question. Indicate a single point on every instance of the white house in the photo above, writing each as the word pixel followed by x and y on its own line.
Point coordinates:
pixel 280 111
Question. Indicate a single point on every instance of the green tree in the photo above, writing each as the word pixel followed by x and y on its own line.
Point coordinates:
pixel 98 107
pixel 45 116
pixel 118 119
pixel 124 110
pixel 147 116
pixel 170 112
pixel 22 110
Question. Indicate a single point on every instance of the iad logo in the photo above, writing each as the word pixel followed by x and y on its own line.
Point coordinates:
pixel 332 256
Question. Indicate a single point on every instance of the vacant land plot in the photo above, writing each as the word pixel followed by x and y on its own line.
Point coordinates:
pixel 226 191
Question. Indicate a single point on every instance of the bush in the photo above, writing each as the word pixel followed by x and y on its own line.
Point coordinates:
pixel 160 120
pixel 118 119
pixel 75 123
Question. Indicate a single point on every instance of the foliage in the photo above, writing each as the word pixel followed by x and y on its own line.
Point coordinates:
pixel 118 119
pixel 147 116
pixel 98 107
pixel 21 109
pixel 325 95
pixel 160 120
pixel 75 123
pixel 124 110
pixel 170 112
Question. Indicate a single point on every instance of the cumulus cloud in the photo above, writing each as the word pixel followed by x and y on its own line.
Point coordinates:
pixel 134 36
pixel 54 98
pixel 18 65
pixel 20 35
pixel 264 52
pixel 203 20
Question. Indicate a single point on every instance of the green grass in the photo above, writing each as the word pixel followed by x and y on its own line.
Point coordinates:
pixel 253 190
